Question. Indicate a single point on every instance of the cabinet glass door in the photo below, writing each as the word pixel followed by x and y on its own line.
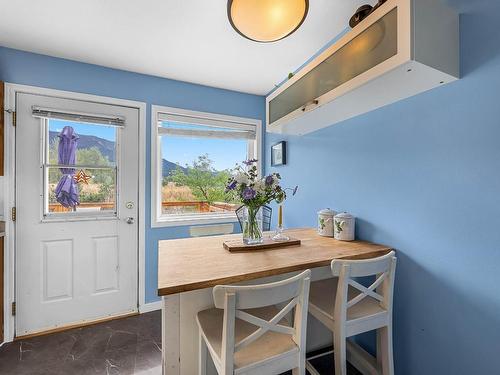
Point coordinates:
pixel 373 46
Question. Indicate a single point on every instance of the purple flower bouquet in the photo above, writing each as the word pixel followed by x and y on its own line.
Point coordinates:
pixel 254 192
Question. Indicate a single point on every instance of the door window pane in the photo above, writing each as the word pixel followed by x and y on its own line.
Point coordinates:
pixel 96 144
pixel 97 195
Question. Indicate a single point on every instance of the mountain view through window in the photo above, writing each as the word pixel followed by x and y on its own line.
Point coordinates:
pixel 195 171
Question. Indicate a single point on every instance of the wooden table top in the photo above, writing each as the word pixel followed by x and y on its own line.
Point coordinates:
pixel 202 262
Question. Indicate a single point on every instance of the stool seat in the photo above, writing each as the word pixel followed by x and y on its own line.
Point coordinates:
pixel 269 345
pixel 322 297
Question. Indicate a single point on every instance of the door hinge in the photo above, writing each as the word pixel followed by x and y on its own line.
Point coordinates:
pixel 13 309
pixel 13 214
pixel 14 117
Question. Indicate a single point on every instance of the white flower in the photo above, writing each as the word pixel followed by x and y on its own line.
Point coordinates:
pixel 241 178
pixel 276 180
pixel 260 186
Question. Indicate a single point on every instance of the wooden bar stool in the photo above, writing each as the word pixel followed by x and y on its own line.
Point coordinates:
pixel 247 334
pixel 348 308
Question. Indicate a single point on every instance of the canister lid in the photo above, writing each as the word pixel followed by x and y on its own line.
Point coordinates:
pixel 344 215
pixel 326 211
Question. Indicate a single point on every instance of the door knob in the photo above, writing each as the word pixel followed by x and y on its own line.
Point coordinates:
pixel 130 220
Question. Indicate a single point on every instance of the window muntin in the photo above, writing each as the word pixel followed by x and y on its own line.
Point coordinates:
pixel 189 146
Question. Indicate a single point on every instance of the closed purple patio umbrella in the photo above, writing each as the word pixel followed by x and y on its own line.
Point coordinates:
pixel 66 190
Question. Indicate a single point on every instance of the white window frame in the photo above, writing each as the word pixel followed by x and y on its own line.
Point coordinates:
pixel 157 218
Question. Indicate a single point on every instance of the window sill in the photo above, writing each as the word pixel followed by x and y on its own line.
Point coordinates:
pixel 186 220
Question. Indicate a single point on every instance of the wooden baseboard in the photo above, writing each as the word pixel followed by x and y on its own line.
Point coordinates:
pixel 73 326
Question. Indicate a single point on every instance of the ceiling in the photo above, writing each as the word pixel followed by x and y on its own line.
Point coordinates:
pixel 187 40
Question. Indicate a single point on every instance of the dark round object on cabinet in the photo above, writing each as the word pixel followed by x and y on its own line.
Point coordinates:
pixel 380 2
pixel 361 13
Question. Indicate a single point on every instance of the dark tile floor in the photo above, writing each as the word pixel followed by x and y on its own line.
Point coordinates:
pixel 120 347
pixel 123 346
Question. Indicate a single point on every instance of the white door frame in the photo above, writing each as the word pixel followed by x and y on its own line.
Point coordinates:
pixel 9 189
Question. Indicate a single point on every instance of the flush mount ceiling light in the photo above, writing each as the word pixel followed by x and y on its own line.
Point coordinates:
pixel 266 20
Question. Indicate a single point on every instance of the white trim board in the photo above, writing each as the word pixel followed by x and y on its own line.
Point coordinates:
pixel 151 306
pixel 9 189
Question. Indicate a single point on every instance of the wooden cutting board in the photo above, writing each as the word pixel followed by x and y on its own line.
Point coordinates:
pixel 268 244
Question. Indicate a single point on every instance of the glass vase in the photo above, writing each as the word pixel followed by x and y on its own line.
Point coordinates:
pixel 252 226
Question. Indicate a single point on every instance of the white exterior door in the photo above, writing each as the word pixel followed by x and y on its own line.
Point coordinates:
pixel 75 262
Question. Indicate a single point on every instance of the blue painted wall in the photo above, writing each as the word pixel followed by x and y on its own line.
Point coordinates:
pixel 423 175
pixel 38 70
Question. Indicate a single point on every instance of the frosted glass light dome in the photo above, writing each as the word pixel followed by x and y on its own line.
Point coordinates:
pixel 266 20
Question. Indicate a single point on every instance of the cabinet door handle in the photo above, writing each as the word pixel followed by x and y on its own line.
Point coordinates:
pixel 314 102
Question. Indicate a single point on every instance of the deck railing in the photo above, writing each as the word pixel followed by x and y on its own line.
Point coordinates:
pixel 196 206
pixel 56 207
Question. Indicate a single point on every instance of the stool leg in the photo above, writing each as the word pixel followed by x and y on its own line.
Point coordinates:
pixel 384 350
pixel 339 352
pixel 202 356
pixel 301 370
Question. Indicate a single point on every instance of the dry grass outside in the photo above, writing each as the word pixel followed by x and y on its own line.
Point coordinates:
pixel 170 192
pixel 173 193
pixel 89 188
pixel 180 200
pixel 83 188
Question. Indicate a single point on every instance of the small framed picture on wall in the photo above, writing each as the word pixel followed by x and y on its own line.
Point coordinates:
pixel 278 154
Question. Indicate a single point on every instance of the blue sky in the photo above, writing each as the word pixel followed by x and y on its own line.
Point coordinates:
pixel 225 153
pixel 181 150
pixel 101 131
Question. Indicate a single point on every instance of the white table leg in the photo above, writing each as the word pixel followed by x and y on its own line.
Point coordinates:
pixel 170 332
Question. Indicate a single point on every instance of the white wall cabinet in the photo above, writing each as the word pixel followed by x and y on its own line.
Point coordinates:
pixel 403 48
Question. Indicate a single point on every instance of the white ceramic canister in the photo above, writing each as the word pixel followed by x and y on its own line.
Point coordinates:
pixel 325 222
pixel 344 226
